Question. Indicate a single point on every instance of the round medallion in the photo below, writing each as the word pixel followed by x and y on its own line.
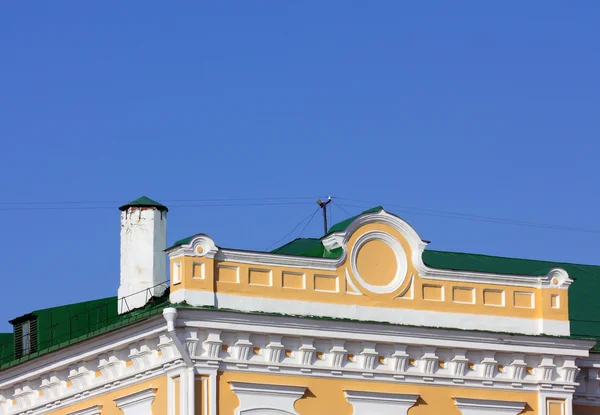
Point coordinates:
pixel 379 262
pixel 376 263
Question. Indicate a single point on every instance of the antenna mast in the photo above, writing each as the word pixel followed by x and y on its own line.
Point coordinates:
pixel 323 206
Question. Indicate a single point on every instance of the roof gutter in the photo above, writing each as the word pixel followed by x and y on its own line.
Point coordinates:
pixel 188 404
pixel 170 315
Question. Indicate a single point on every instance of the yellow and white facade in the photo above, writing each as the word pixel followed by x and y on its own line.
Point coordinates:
pixel 372 329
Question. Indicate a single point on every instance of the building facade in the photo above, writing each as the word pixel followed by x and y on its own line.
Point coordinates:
pixel 364 320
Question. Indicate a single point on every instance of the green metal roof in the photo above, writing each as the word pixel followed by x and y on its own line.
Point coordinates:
pixel 144 202
pixel 7 347
pixel 58 327
pixel 341 226
pixel 183 241
pixel 310 247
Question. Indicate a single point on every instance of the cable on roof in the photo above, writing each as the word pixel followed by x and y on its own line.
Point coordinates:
pixel 292 231
pixel 309 221
pixel 345 211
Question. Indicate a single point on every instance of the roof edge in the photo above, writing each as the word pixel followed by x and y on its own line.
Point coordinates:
pixel 144 202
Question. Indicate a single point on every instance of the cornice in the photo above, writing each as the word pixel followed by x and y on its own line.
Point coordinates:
pixel 382 403
pixel 252 397
pixel 92 410
pixel 288 325
pixel 475 406
pixel 43 407
pixel 134 399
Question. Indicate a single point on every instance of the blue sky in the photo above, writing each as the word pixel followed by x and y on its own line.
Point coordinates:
pixel 482 108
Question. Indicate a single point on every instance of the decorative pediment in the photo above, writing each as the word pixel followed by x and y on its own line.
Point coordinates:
pixel 368 268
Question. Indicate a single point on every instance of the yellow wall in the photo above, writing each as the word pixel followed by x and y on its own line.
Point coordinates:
pixel 256 280
pixel 159 405
pixel 326 396
pixel 201 397
pixel 555 406
pixel 177 395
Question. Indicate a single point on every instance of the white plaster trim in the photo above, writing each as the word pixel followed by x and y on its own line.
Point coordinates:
pixel 204 383
pixel 264 258
pixel 41 407
pixel 137 403
pixel 381 333
pixel 469 406
pixel 327 277
pixel 410 288
pixel 593 360
pixel 386 376
pixel 368 403
pixel 588 393
pixel 92 410
pixel 176 273
pixel 200 297
pixel 353 289
pixel 257 398
pixel 214 403
pixel 171 389
pixel 339 239
pixel 403 316
pixel 543 396
pixel 401 262
pixel 205 242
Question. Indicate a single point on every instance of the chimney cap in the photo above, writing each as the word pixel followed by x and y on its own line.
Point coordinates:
pixel 144 202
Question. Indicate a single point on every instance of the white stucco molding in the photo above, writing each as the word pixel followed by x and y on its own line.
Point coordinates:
pixel 137 403
pixel 367 403
pixel 266 258
pixel 200 245
pixel 92 410
pixel 469 406
pixel 381 333
pixel 424 318
pixel 401 261
pixel 564 399
pixel 264 399
pixel 556 278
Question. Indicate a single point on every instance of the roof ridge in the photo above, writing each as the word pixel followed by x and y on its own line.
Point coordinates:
pixel 342 225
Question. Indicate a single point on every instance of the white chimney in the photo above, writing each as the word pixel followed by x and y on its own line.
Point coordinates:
pixel 143 260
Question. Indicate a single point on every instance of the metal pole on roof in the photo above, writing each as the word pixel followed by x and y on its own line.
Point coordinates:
pixel 323 206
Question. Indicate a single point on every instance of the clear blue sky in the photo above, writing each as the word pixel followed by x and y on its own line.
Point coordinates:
pixel 483 108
